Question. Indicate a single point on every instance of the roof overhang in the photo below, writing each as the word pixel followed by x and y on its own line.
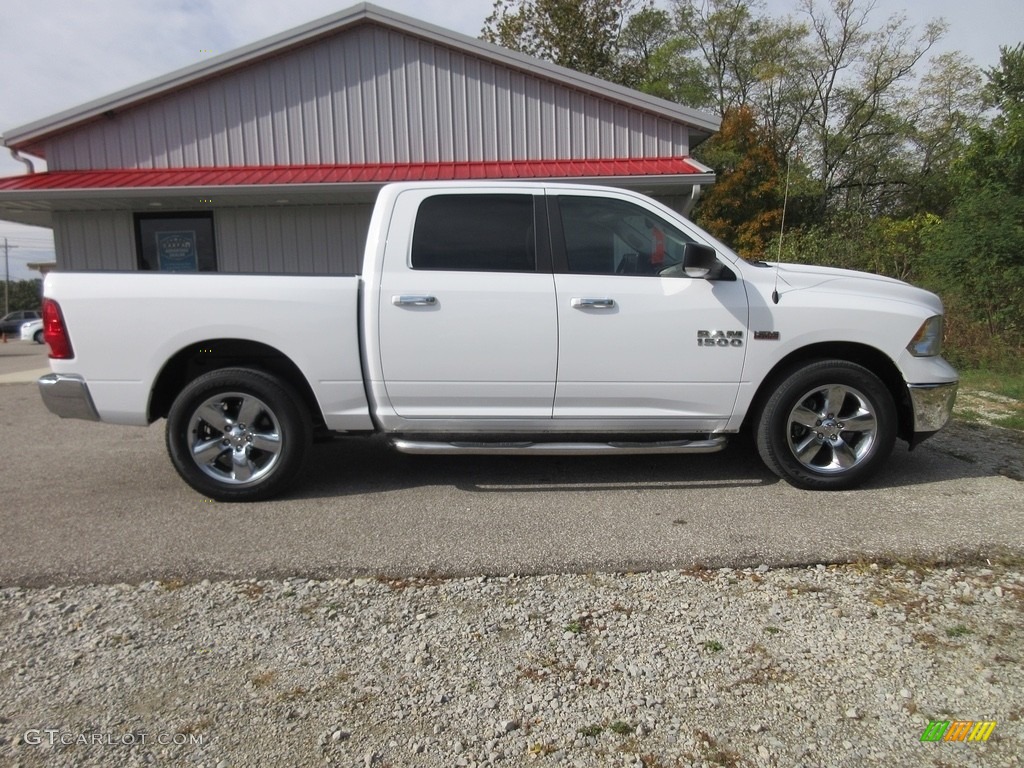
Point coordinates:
pixel 30 198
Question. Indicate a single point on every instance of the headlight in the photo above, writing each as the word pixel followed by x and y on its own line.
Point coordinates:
pixel 927 342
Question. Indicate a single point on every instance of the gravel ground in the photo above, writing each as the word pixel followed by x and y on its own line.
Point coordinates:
pixel 818 666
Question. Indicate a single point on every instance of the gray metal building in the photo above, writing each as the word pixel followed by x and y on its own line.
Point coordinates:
pixel 273 153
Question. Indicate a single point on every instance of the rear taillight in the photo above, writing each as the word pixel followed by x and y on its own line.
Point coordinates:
pixel 55 333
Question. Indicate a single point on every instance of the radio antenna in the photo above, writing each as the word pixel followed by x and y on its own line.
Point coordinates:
pixel 782 231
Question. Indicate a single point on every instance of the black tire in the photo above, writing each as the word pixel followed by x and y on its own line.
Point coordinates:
pixel 38 337
pixel 829 425
pixel 220 455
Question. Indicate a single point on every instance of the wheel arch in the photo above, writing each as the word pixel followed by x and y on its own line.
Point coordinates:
pixel 869 357
pixel 213 354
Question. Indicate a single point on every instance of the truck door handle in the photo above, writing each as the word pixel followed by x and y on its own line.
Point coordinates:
pixel 413 301
pixel 592 303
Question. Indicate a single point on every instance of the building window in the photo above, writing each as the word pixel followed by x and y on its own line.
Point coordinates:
pixel 481 233
pixel 176 242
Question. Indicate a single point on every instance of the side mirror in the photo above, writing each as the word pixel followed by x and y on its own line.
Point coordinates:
pixel 698 260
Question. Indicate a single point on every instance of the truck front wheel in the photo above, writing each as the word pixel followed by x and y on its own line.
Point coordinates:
pixel 238 434
pixel 828 426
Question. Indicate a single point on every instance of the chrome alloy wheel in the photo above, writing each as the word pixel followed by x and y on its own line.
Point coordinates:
pixel 235 438
pixel 832 429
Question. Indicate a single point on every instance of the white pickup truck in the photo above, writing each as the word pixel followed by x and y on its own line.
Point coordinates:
pixel 507 318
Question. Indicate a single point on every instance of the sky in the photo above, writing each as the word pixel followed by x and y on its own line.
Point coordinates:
pixel 57 54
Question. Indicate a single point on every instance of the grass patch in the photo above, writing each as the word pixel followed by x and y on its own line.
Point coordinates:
pixel 1005 384
pixel 621 728
pixel 1014 421
pixel 991 398
pixel 591 731
pixel 713 645
pixel 969 415
pixel 958 631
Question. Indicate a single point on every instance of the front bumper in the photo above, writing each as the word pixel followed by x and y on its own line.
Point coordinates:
pixel 933 407
pixel 67 395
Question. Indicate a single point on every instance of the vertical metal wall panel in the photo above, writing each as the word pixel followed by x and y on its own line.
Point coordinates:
pixel 504 139
pixel 94 240
pixel 127 143
pixel 173 151
pixel 294 115
pixel 368 94
pixel 60 241
pixel 322 117
pixel 352 112
pixel 63 241
pixel 397 99
pixel 221 125
pixel 430 88
pixel 158 147
pixel 189 131
pixel 412 101
pixel 457 99
pixel 366 91
pixel 385 115
pixel 143 142
pixel 307 240
pixel 204 139
pixel 339 107
pixel 224 231
pixel 475 143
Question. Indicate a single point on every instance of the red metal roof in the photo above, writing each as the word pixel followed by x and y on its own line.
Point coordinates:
pixel 380 173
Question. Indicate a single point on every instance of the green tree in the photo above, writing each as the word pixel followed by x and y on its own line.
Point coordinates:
pixel 949 108
pixel 744 207
pixel 742 50
pixel 996 154
pixel 977 255
pixel 657 60
pixel 578 34
pixel 23 294
pixel 855 122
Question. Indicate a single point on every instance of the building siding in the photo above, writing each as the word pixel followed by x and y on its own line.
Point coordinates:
pixel 367 95
pixel 306 240
pixel 90 240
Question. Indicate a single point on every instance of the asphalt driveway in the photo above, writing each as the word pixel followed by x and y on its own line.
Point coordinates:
pixel 83 502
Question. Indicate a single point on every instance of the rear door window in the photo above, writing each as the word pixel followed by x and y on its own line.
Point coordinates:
pixel 482 233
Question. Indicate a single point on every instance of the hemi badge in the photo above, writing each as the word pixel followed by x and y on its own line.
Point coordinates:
pixel 766 335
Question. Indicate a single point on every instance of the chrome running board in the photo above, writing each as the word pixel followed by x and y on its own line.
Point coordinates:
pixel 511 448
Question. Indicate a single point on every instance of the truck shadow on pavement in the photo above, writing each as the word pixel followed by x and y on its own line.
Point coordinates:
pixel 371 466
pixel 961 452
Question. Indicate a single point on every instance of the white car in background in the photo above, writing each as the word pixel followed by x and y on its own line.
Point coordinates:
pixel 33 331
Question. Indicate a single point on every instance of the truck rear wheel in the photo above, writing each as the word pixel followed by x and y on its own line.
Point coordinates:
pixel 828 426
pixel 238 434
